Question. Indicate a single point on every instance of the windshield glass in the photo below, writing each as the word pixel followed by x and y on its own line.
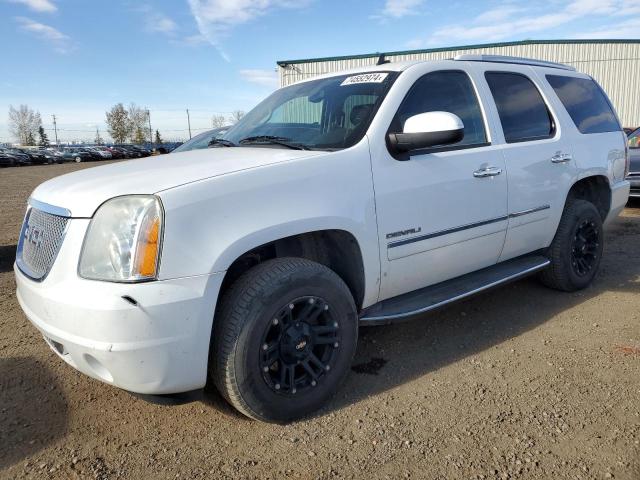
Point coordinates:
pixel 330 113
pixel 202 140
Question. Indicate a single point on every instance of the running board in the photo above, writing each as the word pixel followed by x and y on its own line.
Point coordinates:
pixel 403 307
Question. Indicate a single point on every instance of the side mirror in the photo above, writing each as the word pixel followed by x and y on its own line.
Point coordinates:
pixel 426 130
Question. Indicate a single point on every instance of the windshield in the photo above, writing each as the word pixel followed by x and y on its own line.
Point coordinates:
pixel 202 140
pixel 330 113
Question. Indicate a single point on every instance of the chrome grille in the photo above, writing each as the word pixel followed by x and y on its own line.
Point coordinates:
pixel 39 243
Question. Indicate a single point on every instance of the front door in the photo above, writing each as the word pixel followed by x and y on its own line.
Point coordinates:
pixel 443 211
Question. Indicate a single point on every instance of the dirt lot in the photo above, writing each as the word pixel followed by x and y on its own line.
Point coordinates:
pixel 523 382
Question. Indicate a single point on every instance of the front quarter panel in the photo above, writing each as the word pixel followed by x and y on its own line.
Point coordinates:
pixel 212 222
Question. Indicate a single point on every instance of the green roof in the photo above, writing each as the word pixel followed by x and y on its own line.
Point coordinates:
pixel 448 49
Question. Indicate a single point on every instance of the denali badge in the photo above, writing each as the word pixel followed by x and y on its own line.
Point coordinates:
pixel 402 233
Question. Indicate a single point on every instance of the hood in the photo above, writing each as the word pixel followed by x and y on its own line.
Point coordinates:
pixel 84 191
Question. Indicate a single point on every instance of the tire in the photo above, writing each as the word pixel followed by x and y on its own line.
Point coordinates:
pixel 576 249
pixel 265 307
pixel 78 159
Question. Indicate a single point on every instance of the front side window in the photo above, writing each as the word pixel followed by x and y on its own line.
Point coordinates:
pixel 523 113
pixel 445 91
pixel 331 113
pixel 586 104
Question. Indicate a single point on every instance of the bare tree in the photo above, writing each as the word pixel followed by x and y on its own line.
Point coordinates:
pixel 24 124
pixel 218 121
pixel 138 122
pixel 118 124
pixel 236 115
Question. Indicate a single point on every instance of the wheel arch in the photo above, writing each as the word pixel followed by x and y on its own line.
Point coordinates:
pixel 594 188
pixel 337 249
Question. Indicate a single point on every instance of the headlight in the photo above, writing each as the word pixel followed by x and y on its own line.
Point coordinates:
pixel 123 241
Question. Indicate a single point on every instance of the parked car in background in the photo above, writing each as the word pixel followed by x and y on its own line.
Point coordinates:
pixel 628 130
pixel 7 160
pixel 634 166
pixel 203 140
pixel 77 155
pixel 37 156
pixel 53 156
pixel 20 157
pixel 115 153
pixel 104 152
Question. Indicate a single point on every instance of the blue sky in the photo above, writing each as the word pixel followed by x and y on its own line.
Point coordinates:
pixel 76 58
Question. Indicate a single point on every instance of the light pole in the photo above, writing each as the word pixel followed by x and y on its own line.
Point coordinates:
pixel 150 132
pixel 55 128
pixel 189 122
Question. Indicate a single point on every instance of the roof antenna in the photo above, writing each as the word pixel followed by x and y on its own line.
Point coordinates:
pixel 382 60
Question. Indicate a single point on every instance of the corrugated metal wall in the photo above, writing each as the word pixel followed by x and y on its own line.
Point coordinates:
pixel 615 65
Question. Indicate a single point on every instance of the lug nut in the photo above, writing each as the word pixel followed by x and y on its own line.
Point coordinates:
pixel 313 383
pixel 312 301
pixel 327 368
pixel 277 385
pixel 336 345
pixel 265 369
pixel 291 306
pixel 275 321
pixel 265 347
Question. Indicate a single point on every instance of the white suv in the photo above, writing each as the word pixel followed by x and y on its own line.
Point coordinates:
pixel 356 198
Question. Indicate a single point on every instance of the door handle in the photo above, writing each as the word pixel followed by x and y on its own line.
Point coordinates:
pixel 487 172
pixel 561 158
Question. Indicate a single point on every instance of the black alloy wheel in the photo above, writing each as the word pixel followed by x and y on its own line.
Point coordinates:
pixel 299 346
pixel 584 252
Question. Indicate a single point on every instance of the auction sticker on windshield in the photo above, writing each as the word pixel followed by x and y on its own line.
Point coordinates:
pixel 365 78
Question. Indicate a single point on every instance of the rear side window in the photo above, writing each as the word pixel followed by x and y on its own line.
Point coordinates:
pixel 447 91
pixel 523 114
pixel 586 104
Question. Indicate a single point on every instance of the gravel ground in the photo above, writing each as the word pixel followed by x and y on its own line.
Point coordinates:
pixel 522 382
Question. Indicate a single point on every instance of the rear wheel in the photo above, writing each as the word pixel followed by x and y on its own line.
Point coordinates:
pixel 283 340
pixel 78 159
pixel 576 249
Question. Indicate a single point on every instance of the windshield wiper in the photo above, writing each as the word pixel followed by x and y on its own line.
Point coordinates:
pixel 272 139
pixel 221 142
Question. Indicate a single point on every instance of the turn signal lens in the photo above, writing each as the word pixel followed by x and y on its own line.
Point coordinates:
pixel 147 254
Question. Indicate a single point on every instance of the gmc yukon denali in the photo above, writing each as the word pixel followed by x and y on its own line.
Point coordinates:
pixel 360 198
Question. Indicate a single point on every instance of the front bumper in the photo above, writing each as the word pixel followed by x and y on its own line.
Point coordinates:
pixel 158 345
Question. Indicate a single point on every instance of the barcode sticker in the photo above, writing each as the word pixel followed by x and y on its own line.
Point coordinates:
pixel 365 78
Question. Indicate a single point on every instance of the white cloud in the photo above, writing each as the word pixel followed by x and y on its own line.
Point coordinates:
pixel 521 19
pixel 626 29
pixel 265 78
pixel 46 6
pixel 216 18
pixel 160 23
pixel 61 43
pixel 400 8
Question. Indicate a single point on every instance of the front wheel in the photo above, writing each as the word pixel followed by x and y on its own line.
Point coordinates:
pixel 283 339
pixel 576 249
pixel 78 159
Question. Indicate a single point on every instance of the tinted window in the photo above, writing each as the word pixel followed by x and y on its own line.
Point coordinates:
pixel 586 103
pixel 449 91
pixel 523 113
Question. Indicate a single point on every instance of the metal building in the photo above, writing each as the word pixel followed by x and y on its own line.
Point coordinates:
pixel 615 64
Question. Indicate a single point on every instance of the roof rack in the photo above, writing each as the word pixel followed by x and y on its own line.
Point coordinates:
pixel 517 60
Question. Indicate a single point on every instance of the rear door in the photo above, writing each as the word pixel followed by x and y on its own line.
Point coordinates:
pixel 537 153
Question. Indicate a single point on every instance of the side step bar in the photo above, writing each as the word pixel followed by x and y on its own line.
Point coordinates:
pixel 403 307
